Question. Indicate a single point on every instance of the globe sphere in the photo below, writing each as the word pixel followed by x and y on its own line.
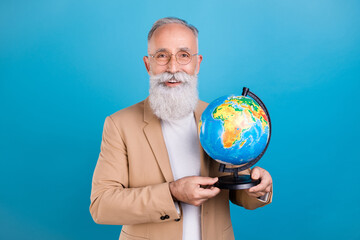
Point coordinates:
pixel 234 129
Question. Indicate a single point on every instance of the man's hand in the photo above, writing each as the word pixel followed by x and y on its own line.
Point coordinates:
pixel 194 190
pixel 265 182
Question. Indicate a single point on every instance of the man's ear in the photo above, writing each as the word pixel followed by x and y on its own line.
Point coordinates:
pixel 199 59
pixel 147 63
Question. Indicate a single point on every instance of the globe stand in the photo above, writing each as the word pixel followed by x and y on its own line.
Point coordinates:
pixel 236 181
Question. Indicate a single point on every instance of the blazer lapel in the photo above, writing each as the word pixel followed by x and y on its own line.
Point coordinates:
pixel 153 133
pixel 156 141
pixel 204 166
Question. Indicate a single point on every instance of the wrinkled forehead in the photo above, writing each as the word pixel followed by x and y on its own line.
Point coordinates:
pixel 173 37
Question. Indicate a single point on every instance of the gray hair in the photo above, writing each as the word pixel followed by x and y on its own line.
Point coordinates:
pixel 168 20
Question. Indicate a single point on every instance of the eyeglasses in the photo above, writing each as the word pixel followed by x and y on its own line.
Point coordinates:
pixel 163 57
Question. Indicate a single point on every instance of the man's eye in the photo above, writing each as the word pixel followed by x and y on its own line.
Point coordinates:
pixel 161 55
pixel 184 55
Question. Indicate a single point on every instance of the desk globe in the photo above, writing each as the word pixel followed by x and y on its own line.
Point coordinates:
pixel 235 130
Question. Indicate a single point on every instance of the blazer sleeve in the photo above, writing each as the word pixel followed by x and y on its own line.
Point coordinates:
pixel 112 200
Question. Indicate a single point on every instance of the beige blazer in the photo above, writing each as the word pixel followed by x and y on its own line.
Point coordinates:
pixel 130 185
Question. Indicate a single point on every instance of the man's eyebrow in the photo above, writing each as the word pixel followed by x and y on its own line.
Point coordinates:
pixel 185 49
pixel 162 50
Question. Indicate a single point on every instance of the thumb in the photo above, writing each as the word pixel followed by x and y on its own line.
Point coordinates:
pixel 207 180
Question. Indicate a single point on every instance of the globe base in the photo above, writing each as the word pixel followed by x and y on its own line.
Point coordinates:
pixel 233 182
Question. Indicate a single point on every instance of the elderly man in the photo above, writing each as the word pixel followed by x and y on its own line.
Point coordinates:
pixel 152 176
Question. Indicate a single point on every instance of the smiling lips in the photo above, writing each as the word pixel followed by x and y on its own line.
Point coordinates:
pixel 172 82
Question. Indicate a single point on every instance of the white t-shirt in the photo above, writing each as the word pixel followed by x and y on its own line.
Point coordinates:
pixel 183 148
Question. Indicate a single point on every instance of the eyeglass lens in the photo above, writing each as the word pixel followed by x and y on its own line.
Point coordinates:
pixel 163 58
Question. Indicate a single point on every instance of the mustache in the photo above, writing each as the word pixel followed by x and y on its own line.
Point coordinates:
pixel 166 76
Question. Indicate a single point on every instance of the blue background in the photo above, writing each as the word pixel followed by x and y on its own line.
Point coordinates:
pixel 66 65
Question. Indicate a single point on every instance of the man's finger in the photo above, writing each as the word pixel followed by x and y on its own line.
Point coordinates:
pixel 255 173
pixel 260 187
pixel 206 180
pixel 208 193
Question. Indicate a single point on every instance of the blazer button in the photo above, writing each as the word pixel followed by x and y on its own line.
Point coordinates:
pixel 162 217
pixel 167 217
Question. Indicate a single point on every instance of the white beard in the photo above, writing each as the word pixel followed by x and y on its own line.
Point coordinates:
pixel 171 103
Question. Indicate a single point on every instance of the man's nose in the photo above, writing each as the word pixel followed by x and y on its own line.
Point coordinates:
pixel 173 65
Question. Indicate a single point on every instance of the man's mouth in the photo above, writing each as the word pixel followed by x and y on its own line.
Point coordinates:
pixel 172 82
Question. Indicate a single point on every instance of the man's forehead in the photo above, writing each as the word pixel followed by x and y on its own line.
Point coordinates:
pixel 173 37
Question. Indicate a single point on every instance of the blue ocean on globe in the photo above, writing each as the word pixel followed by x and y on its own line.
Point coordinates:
pixel 234 129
